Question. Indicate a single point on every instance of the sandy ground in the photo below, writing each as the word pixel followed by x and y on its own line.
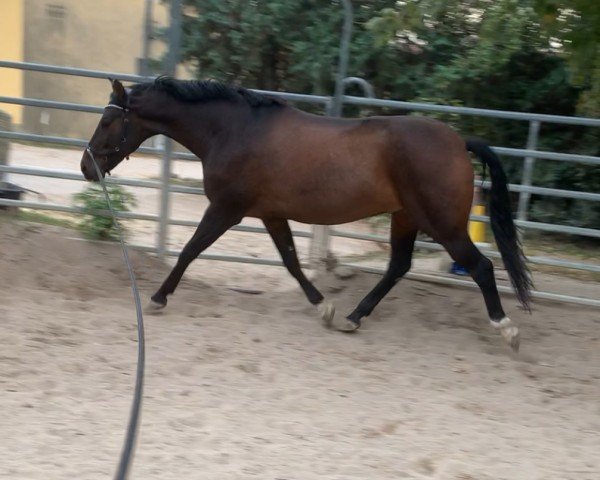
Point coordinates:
pixel 251 386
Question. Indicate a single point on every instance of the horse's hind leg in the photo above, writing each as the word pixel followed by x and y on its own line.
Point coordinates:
pixel 281 234
pixel 216 222
pixel 463 251
pixel 402 241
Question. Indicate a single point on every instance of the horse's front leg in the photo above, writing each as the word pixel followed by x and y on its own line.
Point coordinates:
pixel 216 221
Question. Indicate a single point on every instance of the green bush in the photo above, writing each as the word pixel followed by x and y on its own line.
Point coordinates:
pixel 99 225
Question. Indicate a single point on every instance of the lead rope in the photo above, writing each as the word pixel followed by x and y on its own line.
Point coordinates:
pixel 128 446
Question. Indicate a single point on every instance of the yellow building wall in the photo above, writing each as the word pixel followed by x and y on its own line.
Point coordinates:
pixel 93 34
pixel 11 48
pixel 106 35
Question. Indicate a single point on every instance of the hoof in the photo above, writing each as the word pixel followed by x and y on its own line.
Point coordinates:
pixel 327 312
pixel 509 332
pixel 348 326
pixel 512 337
pixel 154 307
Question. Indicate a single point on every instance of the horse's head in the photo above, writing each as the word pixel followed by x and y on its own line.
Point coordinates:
pixel 117 135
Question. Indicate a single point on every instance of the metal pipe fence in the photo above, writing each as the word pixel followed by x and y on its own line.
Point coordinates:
pixel 525 189
pixel 477 112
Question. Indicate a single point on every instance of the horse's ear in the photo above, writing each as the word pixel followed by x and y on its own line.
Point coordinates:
pixel 119 92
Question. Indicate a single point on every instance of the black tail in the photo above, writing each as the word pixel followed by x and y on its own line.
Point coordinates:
pixel 502 223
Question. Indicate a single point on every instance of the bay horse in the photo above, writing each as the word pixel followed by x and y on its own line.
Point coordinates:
pixel 264 159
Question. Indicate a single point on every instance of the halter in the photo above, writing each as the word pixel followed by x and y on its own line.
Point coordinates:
pixel 116 148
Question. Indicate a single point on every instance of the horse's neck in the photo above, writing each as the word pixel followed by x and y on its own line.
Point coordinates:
pixel 201 127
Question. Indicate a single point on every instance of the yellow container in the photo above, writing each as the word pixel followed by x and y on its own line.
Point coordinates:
pixel 477 228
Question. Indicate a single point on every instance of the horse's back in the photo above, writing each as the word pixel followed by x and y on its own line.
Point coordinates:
pixel 325 170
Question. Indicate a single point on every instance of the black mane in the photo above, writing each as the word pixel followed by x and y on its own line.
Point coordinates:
pixel 198 91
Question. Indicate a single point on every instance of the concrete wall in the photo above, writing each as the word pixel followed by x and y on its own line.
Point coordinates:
pixel 94 34
pixel 100 35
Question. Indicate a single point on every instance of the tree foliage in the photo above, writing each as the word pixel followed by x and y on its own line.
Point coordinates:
pixel 575 25
pixel 270 44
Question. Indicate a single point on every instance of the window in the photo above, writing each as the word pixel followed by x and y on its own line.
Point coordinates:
pixel 55 11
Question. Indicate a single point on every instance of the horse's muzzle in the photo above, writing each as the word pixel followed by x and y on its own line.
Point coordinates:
pixel 88 169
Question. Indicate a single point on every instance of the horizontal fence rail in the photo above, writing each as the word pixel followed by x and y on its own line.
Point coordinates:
pixel 491 253
pixel 538 260
pixel 541 155
pixel 548 192
pixel 591 302
pixel 84 72
pixel 528 154
pixel 477 112
pixel 54 207
pixel 73 142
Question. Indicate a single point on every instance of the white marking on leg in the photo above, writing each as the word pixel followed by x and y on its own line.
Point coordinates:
pixel 348 326
pixel 327 311
pixel 499 324
pixel 509 331
pixel 153 308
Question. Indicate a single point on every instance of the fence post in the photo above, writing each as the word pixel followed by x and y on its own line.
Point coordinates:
pixel 343 63
pixel 5 124
pixel 165 177
pixel 320 242
pixel 532 142
pixel 170 67
pixel 319 249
